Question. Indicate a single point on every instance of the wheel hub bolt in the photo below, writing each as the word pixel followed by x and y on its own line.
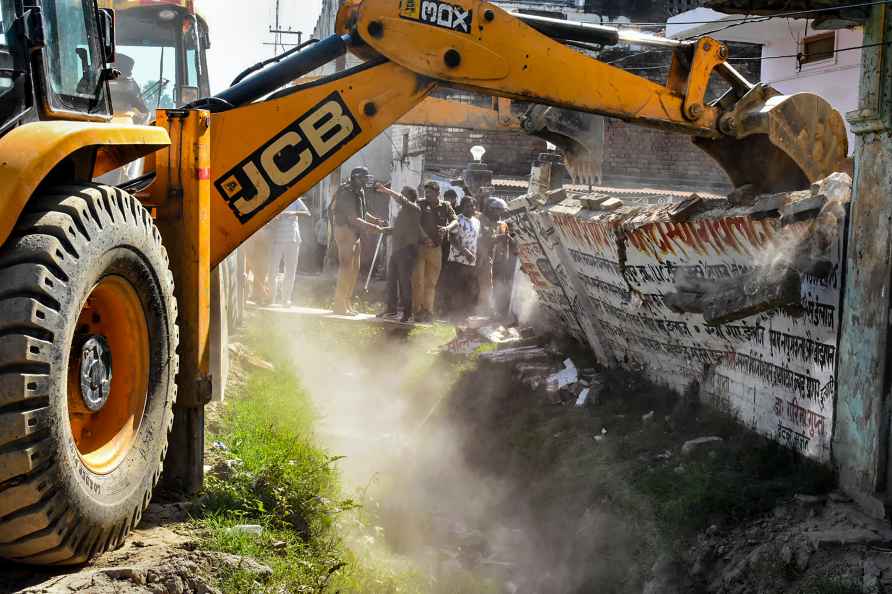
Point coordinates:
pixel 96 372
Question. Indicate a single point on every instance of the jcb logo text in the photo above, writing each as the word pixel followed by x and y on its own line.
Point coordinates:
pixel 289 157
pixel 439 14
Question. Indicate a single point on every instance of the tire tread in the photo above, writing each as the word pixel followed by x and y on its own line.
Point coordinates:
pixel 36 263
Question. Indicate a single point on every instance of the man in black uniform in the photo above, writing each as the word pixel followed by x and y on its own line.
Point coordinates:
pixel 406 236
pixel 350 218
pixel 437 219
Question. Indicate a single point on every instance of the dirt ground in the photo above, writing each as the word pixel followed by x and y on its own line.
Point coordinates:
pixel 158 558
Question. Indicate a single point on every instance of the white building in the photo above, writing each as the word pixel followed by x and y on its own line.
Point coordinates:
pixel 795 56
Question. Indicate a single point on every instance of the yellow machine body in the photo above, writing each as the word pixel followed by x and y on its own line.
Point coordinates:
pixel 31 153
pixel 324 124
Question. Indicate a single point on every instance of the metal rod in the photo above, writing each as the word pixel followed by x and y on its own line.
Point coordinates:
pixel 570 30
pixel 639 38
pixel 734 78
pixel 276 76
pixel 374 261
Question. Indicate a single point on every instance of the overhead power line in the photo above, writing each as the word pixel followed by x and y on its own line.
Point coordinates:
pixel 780 15
pixel 842 49
pixel 742 20
pixel 755 19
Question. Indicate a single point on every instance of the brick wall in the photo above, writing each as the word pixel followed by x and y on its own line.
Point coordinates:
pixel 635 156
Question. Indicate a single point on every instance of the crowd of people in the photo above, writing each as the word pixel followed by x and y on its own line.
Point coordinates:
pixel 448 257
pixel 442 264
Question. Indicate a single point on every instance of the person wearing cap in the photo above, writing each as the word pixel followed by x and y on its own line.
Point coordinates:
pixel 437 220
pixel 285 233
pixel 459 297
pixel 450 196
pixel 492 232
pixel 407 234
pixel 351 218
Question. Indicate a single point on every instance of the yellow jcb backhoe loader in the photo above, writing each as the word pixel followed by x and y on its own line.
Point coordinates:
pixel 104 297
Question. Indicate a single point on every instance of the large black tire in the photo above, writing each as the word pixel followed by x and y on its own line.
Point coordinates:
pixel 54 509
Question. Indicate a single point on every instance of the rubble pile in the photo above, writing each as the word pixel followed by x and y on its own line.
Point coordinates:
pixel 536 365
pixel 811 540
pixel 478 332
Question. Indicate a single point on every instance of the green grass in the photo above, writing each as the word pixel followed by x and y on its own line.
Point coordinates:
pixel 747 476
pixel 287 484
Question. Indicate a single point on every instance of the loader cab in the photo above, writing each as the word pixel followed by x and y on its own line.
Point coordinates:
pixel 53 61
pixel 162 53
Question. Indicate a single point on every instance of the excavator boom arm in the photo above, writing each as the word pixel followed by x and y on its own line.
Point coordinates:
pixel 447 113
pixel 266 154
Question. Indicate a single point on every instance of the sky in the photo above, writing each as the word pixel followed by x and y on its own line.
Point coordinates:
pixel 239 29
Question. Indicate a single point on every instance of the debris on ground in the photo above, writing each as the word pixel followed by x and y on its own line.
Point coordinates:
pixel 252 529
pixel 566 376
pixel 500 334
pixel 247 359
pixel 478 331
pixel 803 543
pixel 517 355
pixel 700 444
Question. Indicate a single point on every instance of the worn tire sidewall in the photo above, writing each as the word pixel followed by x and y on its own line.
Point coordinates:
pixel 127 249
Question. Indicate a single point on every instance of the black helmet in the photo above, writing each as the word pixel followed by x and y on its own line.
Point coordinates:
pixel 359 172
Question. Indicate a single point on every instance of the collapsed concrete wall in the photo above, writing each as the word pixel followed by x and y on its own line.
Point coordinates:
pixel 604 269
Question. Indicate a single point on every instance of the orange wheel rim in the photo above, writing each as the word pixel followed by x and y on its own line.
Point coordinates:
pixel 108 374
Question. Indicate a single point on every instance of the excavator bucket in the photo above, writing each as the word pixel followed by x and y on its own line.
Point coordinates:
pixel 579 135
pixel 779 143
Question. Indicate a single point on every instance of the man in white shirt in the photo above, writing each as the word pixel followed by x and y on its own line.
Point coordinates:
pixel 462 261
pixel 285 235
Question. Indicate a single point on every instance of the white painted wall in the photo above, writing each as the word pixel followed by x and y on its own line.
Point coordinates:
pixel 836 80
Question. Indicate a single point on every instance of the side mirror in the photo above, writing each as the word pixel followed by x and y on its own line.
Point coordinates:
pixel 32 28
pixel 107 34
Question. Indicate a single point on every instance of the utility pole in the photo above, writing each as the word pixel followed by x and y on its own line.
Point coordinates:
pixel 279 33
pixel 278 36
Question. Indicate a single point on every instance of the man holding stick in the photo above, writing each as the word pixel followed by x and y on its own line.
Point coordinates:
pixel 407 234
pixel 351 218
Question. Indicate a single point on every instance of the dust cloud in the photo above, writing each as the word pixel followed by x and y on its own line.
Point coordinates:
pixel 415 466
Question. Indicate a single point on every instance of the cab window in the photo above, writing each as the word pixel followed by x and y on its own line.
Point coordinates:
pixel 192 47
pixel 74 65
pixel 7 17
